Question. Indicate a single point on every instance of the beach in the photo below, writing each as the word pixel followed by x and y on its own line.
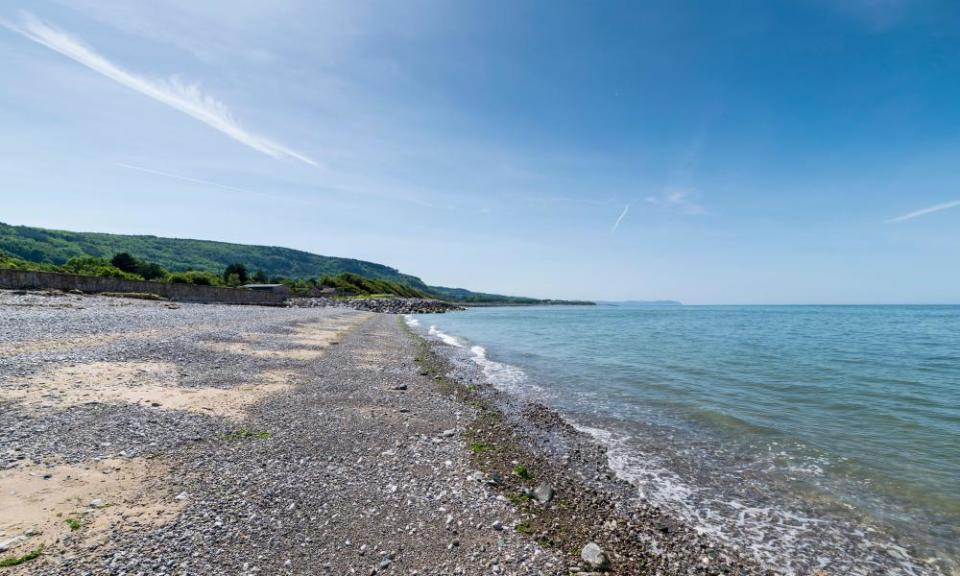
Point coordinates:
pixel 160 438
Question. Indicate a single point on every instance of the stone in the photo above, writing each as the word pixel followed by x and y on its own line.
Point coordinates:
pixel 10 542
pixel 595 557
pixel 543 493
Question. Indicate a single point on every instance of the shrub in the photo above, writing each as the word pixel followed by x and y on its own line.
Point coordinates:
pixel 91 266
pixel 194 277
pixel 235 274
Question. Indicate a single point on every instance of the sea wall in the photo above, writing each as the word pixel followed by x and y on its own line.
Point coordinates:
pixel 23 280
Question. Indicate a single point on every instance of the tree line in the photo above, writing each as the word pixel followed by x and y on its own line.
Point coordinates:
pixel 125 265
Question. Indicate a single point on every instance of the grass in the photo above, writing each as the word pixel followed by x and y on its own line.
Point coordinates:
pixel 525 528
pixel 244 433
pixel 73 522
pixel 480 447
pixel 520 471
pixel 519 498
pixel 17 560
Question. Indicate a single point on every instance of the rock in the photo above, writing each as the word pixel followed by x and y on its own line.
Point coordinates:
pixel 181 496
pixel 96 503
pixel 593 555
pixel 543 493
pixel 399 387
pixel 382 305
pixel 10 542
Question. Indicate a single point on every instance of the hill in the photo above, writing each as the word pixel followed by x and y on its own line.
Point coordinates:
pixel 56 247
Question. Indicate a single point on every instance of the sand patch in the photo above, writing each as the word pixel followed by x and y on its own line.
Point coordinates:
pixel 305 341
pixel 258 351
pixel 77 503
pixel 153 384
pixel 74 342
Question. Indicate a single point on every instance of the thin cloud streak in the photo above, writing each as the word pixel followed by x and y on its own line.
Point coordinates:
pixel 620 219
pixel 187 98
pixel 191 180
pixel 345 192
pixel 925 211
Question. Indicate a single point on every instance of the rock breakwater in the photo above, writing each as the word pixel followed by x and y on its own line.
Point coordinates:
pixel 381 305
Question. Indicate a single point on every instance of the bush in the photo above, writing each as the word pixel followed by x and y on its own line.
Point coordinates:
pixel 146 270
pixel 194 277
pixel 91 266
pixel 124 261
pixel 235 275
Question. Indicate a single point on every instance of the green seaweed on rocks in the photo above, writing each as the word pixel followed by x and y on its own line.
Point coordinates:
pixel 480 447
pixel 17 560
pixel 244 433
pixel 520 471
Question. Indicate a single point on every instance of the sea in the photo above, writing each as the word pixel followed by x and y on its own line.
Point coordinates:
pixel 808 437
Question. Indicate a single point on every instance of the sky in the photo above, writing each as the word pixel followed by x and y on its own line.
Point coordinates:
pixel 717 152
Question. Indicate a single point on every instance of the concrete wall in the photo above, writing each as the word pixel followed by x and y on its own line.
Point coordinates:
pixel 21 280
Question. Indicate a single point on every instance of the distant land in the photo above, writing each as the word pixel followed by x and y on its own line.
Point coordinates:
pixel 642 303
pixel 56 247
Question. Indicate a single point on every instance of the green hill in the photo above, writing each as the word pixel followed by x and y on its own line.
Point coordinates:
pixel 56 247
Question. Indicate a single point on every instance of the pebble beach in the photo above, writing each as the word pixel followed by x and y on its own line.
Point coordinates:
pixel 146 437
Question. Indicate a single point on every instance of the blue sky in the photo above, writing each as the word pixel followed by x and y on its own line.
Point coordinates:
pixel 712 152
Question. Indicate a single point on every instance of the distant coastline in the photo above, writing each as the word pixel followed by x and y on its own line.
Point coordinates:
pixel 641 303
pixel 531 303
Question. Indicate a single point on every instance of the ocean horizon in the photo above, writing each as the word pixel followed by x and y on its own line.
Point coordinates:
pixel 809 436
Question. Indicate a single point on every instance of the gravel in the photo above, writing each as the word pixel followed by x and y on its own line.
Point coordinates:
pixel 360 468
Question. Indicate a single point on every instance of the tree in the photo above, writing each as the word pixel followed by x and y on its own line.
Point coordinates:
pixel 125 262
pixel 260 277
pixel 235 274
pixel 150 270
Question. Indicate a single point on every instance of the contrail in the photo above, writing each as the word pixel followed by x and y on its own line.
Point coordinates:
pixel 925 211
pixel 187 98
pixel 620 218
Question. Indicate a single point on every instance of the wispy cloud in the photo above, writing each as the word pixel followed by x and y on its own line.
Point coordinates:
pixel 677 200
pixel 925 211
pixel 187 98
pixel 190 180
pixel 620 219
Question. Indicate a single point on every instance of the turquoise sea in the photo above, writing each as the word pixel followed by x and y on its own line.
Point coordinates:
pixel 813 437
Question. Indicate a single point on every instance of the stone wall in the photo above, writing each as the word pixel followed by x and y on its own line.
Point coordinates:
pixel 22 280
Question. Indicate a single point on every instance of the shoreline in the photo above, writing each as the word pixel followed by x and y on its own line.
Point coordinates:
pixel 559 479
pixel 281 440
pixel 252 440
pixel 828 539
